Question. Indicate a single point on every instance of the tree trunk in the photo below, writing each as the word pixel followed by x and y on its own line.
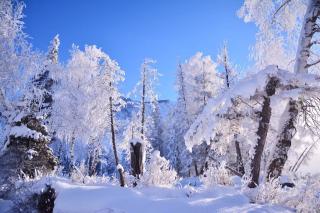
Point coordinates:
pixel 235 119
pixel 113 139
pixel 284 142
pixel 262 132
pixel 93 157
pixel 136 159
pixel 71 165
pixel 227 73
pixel 240 166
pixel 183 93
pixel 309 28
pixel 136 150
pixel 196 168
pixel 143 102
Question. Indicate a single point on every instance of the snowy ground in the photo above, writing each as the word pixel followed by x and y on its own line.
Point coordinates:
pixel 77 198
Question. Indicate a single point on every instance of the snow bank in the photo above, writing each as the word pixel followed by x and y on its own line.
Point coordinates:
pixel 74 198
pixel 25 132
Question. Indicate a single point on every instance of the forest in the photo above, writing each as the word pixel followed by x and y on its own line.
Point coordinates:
pixel 234 140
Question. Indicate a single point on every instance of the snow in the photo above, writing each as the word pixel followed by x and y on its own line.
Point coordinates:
pixel 108 198
pixel 120 167
pixel 136 140
pixel 5 205
pixel 25 132
pixel 31 153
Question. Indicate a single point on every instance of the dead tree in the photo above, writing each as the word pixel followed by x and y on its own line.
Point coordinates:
pixel 113 139
pixel 262 132
pixel 136 159
pixel 136 148
pixel 227 68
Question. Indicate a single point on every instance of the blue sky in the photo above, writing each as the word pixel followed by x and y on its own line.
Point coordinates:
pixel 168 31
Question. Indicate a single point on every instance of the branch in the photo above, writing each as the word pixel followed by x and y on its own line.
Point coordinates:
pixel 278 10
pixel 313 63
pixel 313 43
pixel 229 168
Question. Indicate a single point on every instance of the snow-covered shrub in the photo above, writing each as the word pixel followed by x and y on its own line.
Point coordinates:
pixel 216 175
pixel 78 174
pixel 158 172
pixel 130 179
pixel 304 196
pixel 266 192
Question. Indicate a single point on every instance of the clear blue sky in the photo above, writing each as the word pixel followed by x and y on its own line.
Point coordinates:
pixel 129 31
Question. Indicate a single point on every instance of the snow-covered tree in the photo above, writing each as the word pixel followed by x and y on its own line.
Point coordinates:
pixel 14 49
pixel 41 88
pixel 201 82
pixel 223 60
pixel 279 24
pixel 25 153
pixel 145 88
pixel 290 30
pixel 155 127
pixel 175 150
pixel 113 75
pixel 83 98
pixel 259 115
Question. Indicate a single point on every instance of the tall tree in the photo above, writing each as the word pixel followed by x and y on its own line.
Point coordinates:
pixel 306 41
pixel 262 131
pixel 229 75
pixel 146 90
pixel 307 37
pixel 223 60
pixel 114 75
pixel 83 98
pixel 42 83
pixel 279 24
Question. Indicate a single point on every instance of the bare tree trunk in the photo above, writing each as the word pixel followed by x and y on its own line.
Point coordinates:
pixel 240 166
pixel 143 102
pixel 236 117
pixel 196 168
pixel 309 28
pixel 183 91
pixel 113 139
pixel 262 132
pixel 227 72
pixel 71 165
pixel 93 157
pixel 284 142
